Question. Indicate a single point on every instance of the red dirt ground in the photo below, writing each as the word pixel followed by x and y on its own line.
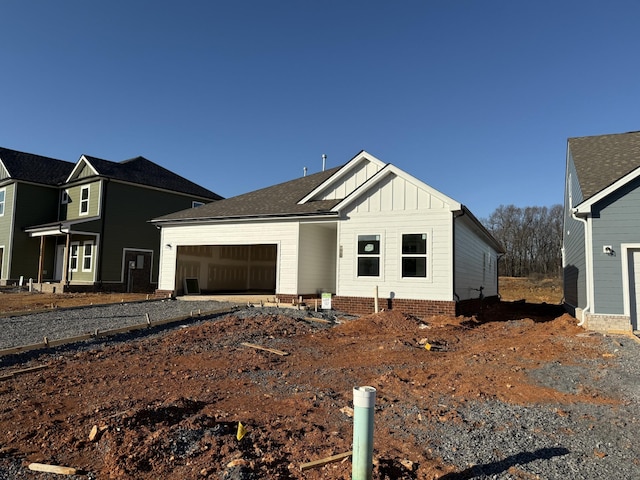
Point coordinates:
pixel 168 406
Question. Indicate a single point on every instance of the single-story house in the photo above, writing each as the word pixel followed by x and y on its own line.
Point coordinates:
pixel 363 227
pixel 601 237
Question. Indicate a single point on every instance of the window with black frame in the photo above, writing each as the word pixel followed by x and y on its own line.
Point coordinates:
pixel 368 255
pixel 414 255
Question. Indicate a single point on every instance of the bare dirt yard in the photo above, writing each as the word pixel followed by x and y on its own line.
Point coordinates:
pixel 168 404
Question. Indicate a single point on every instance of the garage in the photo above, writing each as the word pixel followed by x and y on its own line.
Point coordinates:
pixel 227 268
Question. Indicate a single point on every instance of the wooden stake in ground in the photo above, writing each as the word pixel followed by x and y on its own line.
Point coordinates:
pixel 43 467
pixel 324 461
pixel 260 347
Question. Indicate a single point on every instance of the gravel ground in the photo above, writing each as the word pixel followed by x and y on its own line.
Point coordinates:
pixel 69 322
pixel 492 440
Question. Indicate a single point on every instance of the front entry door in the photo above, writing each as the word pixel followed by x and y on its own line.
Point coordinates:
pixel 59 262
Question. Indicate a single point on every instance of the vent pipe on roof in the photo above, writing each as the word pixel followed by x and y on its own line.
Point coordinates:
pixel 324 161
pixel 304 171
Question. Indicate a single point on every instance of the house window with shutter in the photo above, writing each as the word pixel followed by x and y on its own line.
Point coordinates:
pixel 414 255
pixel 368 255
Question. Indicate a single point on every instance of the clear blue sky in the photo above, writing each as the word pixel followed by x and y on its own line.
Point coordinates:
pixel 475 98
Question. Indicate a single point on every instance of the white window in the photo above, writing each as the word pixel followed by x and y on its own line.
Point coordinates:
pixel 368 255
pixel 73 257
pixel 84 200
pixel 87 256
pixel 414 255
pixel 196 204
pixel 3 194
pixel 65 197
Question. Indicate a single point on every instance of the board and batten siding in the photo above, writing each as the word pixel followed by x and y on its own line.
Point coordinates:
pixel 573 244
pixel 317 258
pixel 615 220
pixel 475 263
pixel 395 207
pixel 351 181
pixel 282 234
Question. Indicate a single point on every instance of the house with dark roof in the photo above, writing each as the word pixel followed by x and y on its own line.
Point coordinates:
pixel 601 236
pixel 365 232
pixel 29 194
pixel 86 225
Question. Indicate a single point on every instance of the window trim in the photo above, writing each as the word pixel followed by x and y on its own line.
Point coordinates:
pixel 65 197
pixel 90 257
pixel 84 188
pixel 196 203
pixel 427 255
pixel 3 203
pixel 72 256
pixel 378 255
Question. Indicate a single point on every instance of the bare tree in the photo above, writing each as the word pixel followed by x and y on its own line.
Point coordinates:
pixel 532 238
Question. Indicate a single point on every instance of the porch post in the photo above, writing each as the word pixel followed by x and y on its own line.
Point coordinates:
pixel 41 260
pixel 65 267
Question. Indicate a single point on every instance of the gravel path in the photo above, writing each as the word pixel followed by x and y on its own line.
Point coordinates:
pixel 69 322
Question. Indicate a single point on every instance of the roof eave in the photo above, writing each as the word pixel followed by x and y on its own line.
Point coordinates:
pixel 244 218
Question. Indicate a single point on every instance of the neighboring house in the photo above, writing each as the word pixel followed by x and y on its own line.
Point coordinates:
pixel 29 194
pixel 91 229
pixel 601 240
pixel 349 231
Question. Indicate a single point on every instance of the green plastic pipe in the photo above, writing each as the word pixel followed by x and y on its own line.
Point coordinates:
pixel 364 400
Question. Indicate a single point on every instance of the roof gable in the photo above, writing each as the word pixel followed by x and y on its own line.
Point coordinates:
pixel 139 171
pixel 601 161
pixel 346 179
pixel 413 194
pixel 33 168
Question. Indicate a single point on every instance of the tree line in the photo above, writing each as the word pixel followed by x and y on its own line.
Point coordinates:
pixel 532 238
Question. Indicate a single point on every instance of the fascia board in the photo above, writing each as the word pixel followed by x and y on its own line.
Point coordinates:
pixel 392 169
pixel 585 207
pixel 243 219
pixel 76 169
pixel 351 164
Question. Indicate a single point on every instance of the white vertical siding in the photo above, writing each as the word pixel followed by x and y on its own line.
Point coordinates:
pixel 317 258
pixel 356 177
pixel 475 263
pixel 283 234
pixel 394 208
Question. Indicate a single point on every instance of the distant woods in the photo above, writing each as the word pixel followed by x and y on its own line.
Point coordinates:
pixel 532 237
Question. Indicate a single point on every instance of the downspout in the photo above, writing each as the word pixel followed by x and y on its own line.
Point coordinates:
pixel 587 263
pixel 456 215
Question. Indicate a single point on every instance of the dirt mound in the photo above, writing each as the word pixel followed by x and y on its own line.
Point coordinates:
pixel 169 406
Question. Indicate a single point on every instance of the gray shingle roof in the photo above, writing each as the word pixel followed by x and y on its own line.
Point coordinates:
pixel 144 172
pixel 277 200
pixel 603 159
pixel 35 168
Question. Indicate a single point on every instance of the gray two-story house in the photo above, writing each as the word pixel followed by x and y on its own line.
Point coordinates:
pixel 601 238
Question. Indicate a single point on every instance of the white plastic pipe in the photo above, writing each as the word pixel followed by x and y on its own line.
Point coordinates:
pixel 364 400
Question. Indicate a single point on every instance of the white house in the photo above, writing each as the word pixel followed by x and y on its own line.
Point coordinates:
pixel 349 230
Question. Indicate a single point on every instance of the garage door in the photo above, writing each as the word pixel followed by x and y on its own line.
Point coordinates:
pixel 229 268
